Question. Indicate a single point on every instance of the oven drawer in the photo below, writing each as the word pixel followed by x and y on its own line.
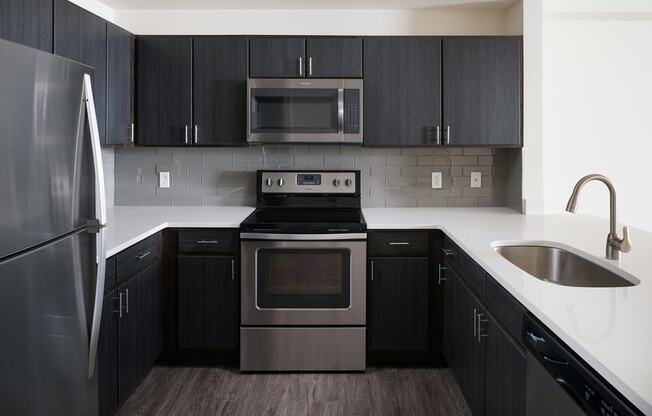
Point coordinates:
pixel 398 243
pixel 224 241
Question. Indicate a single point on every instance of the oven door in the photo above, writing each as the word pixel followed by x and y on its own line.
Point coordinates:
pixel 303 282
pixel 304 111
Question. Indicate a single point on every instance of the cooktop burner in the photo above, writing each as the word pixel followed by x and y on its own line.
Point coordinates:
pixel 301 202
pixel 305 220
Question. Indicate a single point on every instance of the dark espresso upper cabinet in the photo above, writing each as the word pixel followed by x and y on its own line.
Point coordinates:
pixel 277 57
pixel 164 91
pixel 81 36
pixel 220 90
pixel 482 91
pixel 402 90
pixel 120 48
pixel 28 22
pixel 334 57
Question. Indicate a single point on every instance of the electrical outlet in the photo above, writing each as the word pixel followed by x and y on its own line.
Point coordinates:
pixel 476 179
pixel 164 179
pixel 436 180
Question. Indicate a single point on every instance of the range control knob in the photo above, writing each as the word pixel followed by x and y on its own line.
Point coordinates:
pixel 268 182
pixel 336 182
pixel 348 182
pixel 281 182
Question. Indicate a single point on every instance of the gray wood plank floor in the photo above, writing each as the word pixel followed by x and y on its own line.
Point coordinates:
pixel 199 391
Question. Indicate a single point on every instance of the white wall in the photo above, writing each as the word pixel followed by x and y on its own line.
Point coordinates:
pixel 97 7
pixel 514 19
pixel 597 104
pixel 315 22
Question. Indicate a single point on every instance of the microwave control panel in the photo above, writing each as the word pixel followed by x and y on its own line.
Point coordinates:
pixel 352 111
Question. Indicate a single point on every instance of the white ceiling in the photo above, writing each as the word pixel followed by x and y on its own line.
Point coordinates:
pixel 305 4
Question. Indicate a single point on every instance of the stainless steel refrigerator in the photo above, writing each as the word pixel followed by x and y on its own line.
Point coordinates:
pixel 52 255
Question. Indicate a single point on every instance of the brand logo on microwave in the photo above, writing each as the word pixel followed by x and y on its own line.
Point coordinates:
pixel 305 83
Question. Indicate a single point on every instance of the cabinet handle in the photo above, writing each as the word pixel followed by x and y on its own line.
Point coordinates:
pixel 438 134
pixel 448 134
pixel 441 279
pixel 186 133
pixel 207 241
pixel 300 66
pixel 310 65
pixel 119 299
pixel 232 269
pixel 480 334
pixel 475 322
pixel 447 252
pixel 372 270
pixel 127 300
pixel 196 134
pixel 131 132
pixel 399 243
pixel 142 256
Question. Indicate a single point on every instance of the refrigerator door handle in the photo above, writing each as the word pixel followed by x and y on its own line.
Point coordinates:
pixel 98 304
pixel 97 151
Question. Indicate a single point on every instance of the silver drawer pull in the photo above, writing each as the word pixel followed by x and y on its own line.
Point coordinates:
pixel 440 269
pixel 232 269
pixel 399 243
pixel 207 241
pixel 127 300
pixel 142 256
pixel 448 252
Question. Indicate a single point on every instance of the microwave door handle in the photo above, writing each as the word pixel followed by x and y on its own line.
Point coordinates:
pixel 340 110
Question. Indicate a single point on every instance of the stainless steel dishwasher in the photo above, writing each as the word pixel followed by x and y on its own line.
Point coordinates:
pixel 561 383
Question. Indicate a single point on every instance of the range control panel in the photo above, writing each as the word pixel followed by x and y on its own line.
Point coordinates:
pixel 275 182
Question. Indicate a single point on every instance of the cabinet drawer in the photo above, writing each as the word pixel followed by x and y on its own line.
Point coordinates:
pixel 392 243
pixel 507 309
pixel 474 276
pixel 209 241
pixel 451 253
pixel 110 277
pixel 137 257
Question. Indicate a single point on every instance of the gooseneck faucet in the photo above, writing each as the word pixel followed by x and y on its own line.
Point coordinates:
pixel 615 244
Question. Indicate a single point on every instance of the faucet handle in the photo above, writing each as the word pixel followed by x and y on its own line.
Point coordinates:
pixel 625 242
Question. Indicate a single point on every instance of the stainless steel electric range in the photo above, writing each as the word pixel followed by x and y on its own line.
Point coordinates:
pixel 303 297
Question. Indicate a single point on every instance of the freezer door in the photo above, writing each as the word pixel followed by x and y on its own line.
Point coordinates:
pixel 47 304
pixel 46 164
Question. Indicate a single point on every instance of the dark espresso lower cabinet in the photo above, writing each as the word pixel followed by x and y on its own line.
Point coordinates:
pixel 208 302
pixel 398 304
pixel 488 363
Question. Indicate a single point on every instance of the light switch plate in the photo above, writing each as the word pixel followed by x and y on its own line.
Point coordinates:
pixel 476 179
pixel 436 180
pixel 164 179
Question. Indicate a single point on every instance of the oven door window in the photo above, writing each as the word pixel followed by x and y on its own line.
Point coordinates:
pixel 294 110
pixel 303 278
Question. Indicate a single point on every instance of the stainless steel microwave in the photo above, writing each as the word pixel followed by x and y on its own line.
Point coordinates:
pixel 304 110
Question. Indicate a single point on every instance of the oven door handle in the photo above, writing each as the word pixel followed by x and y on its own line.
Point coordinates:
pixel 303 237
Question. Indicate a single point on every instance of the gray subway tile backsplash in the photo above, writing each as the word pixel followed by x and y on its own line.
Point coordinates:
pixel 391 177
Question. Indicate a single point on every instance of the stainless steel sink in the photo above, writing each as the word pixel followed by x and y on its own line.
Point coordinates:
pixel 562 267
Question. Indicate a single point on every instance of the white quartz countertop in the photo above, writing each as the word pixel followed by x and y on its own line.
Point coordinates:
pixel 129 225
pixel 608 327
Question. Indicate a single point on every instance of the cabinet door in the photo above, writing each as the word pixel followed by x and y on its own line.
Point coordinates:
pixel 277 57
pixel 399 304
pixel 470 374
pixel 208 302
pixel 402 91
pixel 139 329
pixel 451 318
pixel 28 22
pixel 81 36
pixel 119 129
pixel 107 356
pixel 333 57
pixel 164 90
pixel 505 372
pixel 220 90
pixel 482 90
